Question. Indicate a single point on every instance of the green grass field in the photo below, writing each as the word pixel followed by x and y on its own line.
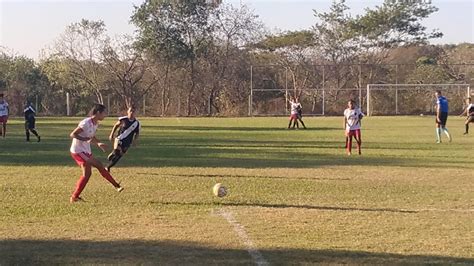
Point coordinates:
pixel 295 197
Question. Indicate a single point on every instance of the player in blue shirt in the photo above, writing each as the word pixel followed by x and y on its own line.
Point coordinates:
pixel 442 110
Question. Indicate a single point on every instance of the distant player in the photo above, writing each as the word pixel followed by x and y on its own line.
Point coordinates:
pixel 300 113
pixel 295 106
pixel 469 112
pixel 129 130
pixel 442 110
pixel 4 111
pixel 82 136
pixel 352 124
pixel 30 121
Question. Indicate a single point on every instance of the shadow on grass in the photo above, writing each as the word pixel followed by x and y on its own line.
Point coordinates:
pixel 190 149
pixel 246 129
pixel 208 156
pixel 168 252
pixel 284 206
pixel 242 176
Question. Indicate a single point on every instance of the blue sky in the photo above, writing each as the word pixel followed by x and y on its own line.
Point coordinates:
pixel 27 26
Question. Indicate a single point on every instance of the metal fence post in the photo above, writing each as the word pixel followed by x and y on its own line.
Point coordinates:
pixel 68 104
pixel 251 92
pixel 368 100
pixel 286 90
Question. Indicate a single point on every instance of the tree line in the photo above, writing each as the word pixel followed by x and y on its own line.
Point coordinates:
pixel 192 58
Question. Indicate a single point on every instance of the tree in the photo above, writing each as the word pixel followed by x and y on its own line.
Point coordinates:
pixel 235 28
pixel 344 41
pixel 294 52
pixel 129 70
pixel 178 31
pixel 393 24
pixel 428 71
pixel 82 45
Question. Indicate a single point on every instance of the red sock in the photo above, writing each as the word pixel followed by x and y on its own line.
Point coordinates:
pixel 80 185
pixel 109 177
pixel 349 145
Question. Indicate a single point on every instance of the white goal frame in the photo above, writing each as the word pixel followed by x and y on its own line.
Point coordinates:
pixel 401 87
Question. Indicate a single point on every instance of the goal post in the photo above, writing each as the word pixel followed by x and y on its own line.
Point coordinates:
pixel 275 102
pixel 412 99
pixel 315 101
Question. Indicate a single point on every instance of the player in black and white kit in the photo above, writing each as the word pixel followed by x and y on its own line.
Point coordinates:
pixel 30 121
pixel 469 112
pixel 129 130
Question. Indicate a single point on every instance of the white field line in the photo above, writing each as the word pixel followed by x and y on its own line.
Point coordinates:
pixel 439 210
pixel 244 237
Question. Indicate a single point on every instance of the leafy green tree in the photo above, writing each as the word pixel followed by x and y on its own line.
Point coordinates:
pixel 178 31
pixel 81 46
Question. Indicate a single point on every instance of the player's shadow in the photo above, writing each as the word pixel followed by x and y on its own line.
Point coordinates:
pixel 169 252
pixel 247 129
pixel 285 206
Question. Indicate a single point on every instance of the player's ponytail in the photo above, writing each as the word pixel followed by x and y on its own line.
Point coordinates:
pixel 97 108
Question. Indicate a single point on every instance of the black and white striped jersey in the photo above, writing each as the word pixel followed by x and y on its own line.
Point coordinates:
pixel 128 129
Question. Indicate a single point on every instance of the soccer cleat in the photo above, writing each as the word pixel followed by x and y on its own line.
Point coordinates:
pixel 450 138
pixel 465 133
pixel 110 157
pixel 438 141
pixel 78 199
pixel 39 138
pixel 120 189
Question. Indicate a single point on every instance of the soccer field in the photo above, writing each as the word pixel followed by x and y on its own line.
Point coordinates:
pixel 295 197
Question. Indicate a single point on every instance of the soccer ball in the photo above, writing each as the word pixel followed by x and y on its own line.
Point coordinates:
pixel 421 114
pixel 219 190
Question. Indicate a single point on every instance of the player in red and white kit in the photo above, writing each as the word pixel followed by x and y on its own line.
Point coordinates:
pixel 352 123
pixel 4 110
pixel 82 136
pixel 295 107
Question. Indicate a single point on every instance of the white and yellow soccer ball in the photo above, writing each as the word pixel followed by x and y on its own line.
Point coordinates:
pixel 219 190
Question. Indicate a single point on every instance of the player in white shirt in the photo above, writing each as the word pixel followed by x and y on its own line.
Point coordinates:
pixel 469 112
pixel 352 124
pixel 295 107
pixel 4 111
pixel 81 152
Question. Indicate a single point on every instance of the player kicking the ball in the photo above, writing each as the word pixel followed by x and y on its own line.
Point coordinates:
pixel 352 124
pixel 82 136
pixel 469 112
pixel 129 130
